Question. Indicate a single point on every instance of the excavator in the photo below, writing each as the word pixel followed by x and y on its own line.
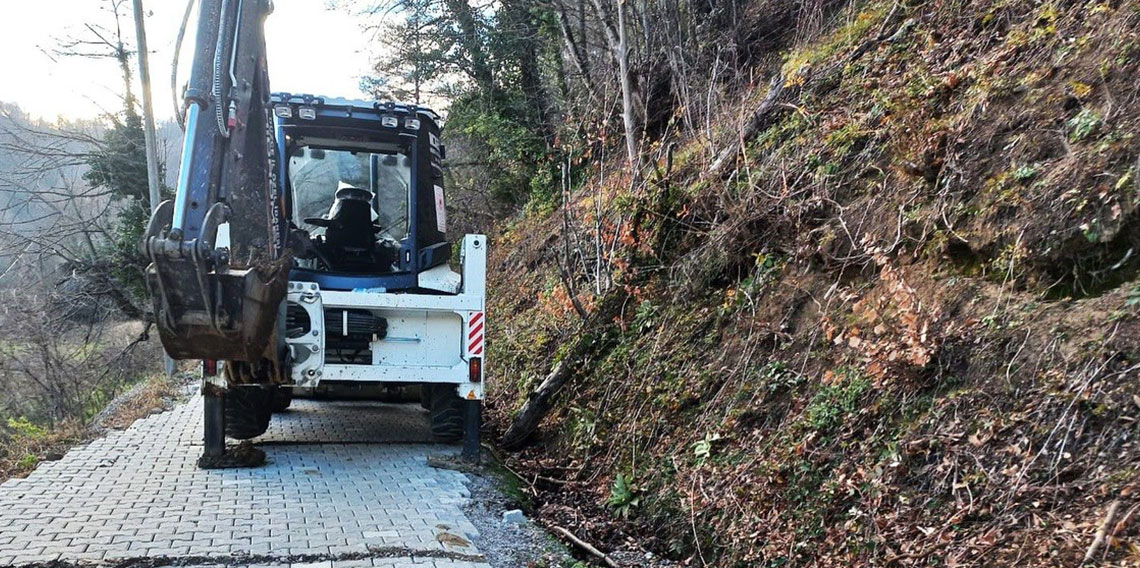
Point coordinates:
pixel 306 247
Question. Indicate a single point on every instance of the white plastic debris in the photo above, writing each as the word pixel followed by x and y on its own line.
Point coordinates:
pixel 514 516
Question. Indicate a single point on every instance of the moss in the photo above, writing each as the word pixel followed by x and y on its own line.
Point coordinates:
pixel 786 128
pixel 689 153
pixel 799 64
pixel 936 245
pixel 847 139
pixel 509 484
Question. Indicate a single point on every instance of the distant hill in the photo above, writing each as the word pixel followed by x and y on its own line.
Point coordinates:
pixel 43 163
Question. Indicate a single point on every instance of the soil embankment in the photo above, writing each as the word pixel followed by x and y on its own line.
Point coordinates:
pixel 884 312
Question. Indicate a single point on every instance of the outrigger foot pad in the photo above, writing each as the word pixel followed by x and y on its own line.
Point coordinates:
pixel 243 455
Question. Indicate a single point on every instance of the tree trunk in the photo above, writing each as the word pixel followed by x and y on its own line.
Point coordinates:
pixel 627 112
pixel 575 52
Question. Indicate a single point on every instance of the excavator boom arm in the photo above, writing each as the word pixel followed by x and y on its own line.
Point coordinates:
pixel 217 285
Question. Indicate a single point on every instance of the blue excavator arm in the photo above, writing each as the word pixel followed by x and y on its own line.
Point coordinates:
pixel 218 297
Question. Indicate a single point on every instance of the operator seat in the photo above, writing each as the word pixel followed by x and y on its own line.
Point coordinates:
pixel 349 243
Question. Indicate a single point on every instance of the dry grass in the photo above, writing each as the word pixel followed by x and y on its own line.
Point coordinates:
pixel 21 453
pixel 24 446
pixel 155 395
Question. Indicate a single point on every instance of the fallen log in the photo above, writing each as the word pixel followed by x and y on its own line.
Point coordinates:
pixel 541 399
pixel 763 117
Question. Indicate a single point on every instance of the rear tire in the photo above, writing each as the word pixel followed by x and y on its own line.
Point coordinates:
pixel 282 399
pixel 446 414
pixel 425 396
pixel 248 410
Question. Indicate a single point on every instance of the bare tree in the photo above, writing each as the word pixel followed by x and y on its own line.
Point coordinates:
pixel 72 196
pixel 627 116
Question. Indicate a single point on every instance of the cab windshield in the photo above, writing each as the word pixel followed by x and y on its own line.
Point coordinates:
pixel 316 173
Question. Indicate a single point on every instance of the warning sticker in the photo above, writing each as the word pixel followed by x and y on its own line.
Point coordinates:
pixel 440 211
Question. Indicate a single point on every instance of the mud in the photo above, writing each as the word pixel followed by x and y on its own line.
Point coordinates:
pixel 456 463
pixel 243 455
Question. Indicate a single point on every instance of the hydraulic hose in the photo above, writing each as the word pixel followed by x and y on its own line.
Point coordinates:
pixel 178 112
pixel 216 91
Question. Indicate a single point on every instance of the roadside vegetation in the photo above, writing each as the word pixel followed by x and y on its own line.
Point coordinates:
pixel 24 445
pixel 61 370
pixel 73 204
pixel 863 292
pixel 773 282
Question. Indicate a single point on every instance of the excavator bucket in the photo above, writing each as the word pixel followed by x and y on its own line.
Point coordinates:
pixel 219 268
pixel 231 315
pixel 204 308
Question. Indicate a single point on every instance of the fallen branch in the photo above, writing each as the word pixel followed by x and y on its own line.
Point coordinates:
pixel 761 118
pixel 1098 541
pixel 585 546
pixel 1123 522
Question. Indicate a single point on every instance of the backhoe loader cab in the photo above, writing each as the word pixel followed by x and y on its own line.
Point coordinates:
pixel 306 247
pixel 371 298
pixel 363 184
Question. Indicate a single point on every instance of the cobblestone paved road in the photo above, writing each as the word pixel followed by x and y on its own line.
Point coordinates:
pixel 350 491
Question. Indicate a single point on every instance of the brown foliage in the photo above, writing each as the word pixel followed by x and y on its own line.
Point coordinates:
pixel 940 368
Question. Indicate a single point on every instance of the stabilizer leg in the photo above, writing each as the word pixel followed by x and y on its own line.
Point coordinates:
pixel 473 420
pixel 215 415
pixel 215 455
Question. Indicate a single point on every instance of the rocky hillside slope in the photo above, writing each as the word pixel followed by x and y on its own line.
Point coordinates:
pixel 884 312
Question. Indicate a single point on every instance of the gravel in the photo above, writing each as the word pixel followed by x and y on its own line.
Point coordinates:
pixel 508 544
pixel 184 383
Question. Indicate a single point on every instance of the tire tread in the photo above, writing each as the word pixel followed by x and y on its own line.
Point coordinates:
pixel 446 414
pixel 248 411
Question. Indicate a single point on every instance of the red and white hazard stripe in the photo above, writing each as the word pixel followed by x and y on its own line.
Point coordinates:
pixel 475 333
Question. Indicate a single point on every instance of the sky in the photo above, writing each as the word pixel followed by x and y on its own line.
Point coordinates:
pixel 311 49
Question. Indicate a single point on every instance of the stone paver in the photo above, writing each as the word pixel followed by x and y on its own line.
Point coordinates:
pixel 351 492
pixel 311 421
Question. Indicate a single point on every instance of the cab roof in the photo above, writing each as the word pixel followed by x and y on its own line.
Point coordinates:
pixel 341 108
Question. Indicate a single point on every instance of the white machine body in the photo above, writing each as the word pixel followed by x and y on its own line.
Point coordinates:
pixel 430 338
